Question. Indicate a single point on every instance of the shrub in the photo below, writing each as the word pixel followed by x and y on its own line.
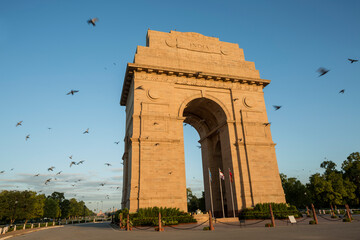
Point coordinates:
pixel 347 220
pixel 268 225
pixel 261 211
pixel 206 228
pixel 312 222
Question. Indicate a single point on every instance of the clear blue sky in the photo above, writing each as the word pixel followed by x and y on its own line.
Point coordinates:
pixel 47 49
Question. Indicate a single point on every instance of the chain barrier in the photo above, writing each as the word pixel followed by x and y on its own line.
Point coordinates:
pixel 189 227
pixel 249 224
pixel 143 229
pixel 330 219
pixel 303 219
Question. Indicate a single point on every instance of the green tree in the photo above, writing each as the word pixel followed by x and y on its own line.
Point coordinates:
pixel 330 187
pixel 351 169
pixel 73 208
pixel 10 202
pixel 51 208
pixel 31 205
pixel 295 192
pixel 65 208
pixel 192 201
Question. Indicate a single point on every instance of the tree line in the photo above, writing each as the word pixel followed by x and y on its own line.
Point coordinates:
pixel 332 187
pixel 28 205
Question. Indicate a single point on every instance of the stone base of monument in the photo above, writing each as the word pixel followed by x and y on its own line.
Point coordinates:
pixel 229 219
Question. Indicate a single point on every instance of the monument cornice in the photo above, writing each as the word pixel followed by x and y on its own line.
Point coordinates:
pixel 134 67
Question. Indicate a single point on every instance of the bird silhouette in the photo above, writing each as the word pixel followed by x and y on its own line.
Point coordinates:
pixel 92 21
pixel 27 137
pixel 71 156
pixel 267 124
pixel 36 175
pixel 72 163
pixel 117 142
pixel 117 187
pixel 157 144
pixel 185 124
pixel 342 91
pixel 170 172
pixel 102 184
pixel 51 168
pixel 323 71
pixel 276 107
pixel 107 164
pixel 155 123
pixel 19 124
pixel 73 185
pixel 2 171
pixel 80 162
pixel 86 131
pixel 140 88
pixel 11 169
pixel 47 181
pixel 352 60
pixel 59 173
pixel 199 147
pixel 49 129
pixel 72 92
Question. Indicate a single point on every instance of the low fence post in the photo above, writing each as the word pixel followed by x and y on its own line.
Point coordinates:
pixel 314 213
pixel 38 225
pixel 160 228
pixel 307 211
pixel 128 223
pixel 14 227
pixel 348 212
pixel 332 210
pixel 46 224
pixel 272 216
pixel 120 220
pixel 32 225
pixel 24 226
pixel 211 227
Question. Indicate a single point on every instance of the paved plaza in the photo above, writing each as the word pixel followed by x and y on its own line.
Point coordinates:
pixel 254 230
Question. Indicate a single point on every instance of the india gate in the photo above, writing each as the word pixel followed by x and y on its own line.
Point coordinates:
pixel 186 77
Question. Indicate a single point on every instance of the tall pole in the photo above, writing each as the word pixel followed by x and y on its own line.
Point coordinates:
pixel 211 200
pixel 314 213
pixel 232 197
pixel 222 201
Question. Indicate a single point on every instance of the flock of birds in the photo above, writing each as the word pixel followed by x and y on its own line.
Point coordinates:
pixel 322 71
pixel 91 21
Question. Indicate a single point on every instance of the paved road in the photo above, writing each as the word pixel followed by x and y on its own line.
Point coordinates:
pixel 104 231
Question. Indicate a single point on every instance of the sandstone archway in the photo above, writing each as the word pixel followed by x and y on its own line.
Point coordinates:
pixel 190 78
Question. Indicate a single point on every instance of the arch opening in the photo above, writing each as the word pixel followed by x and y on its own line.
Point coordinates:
pixel 209 120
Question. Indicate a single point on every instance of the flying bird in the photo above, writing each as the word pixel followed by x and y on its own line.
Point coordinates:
pixel 117 187
pixel 47 181
pixel 140 88
pixel 323 71
pixel 276 107
pixel 107 164
pixel 73 185
pixel 117 142
pixel 58 173
pixel 352 60
pixel 72 163
pixel 71 156
pixel 51 168
pixel 342 91
pixel 72 92
pixel 11 169
pixel 49 129
pixel 92 21
pixel 27 137
pixel 19 123
pixel 102 184
pixel 199 147
pixel 86 131
pixel 2 171
pixel 36 175
pixel 170 172
pixel 80 162
pixel 267 124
